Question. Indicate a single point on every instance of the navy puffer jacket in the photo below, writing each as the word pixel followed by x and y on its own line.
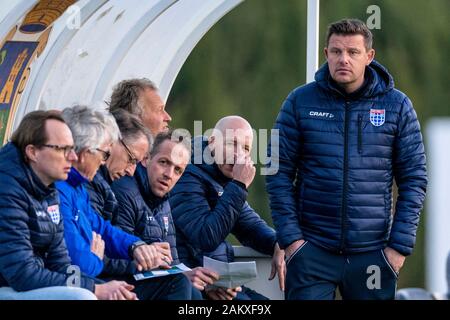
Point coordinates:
pixel 338 156
pixel 104 203
pixel 143 214
pixel 101 196
pixel 207 207
pixel 33 253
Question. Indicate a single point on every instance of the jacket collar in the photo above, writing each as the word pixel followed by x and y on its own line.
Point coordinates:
pixel 13 164
pixel 150 198
pixel 75 178
pixel 377 81
pixel 41 190
pixel 104 173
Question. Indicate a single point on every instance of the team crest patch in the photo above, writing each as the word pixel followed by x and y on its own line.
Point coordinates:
pixel 377 117
pixel 53 211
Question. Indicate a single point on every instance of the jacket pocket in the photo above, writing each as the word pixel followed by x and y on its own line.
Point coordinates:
pixel 388 264
pixel 295 252
pixel 360 133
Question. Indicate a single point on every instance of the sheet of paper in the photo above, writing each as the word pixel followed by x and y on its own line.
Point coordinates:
pixel 231 274
pixel 179 268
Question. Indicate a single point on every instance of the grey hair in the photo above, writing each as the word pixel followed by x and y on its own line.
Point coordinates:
pixel 126 95
pixel 90 128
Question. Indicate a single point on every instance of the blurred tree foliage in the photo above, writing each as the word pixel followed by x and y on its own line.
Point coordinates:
pixel 255 55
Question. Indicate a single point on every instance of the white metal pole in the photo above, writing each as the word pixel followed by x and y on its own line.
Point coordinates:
pixel 438 192
pixel 312 39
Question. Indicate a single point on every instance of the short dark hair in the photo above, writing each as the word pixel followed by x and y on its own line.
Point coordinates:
pixel 126 95
pixel 32 129
pixel 169 135
pixel 130 126
pixel 350 27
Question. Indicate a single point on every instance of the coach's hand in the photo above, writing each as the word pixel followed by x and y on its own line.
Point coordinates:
pixel 292 247
pixel 394 258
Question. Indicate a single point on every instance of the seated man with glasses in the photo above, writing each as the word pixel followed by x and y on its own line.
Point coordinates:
pixel 125 153
pixel 120 161
pixel 34 262
pixel 89 237
pixel 66 150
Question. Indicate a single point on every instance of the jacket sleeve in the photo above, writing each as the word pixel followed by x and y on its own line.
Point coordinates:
pixel 205 228
pixel 18 264
pixel 95 197
pixel 280 185
pixel 252 231
pixel 126 217
pixel 117 242
pixel 123 219
pixel 79 249
pixel 411 178
pixel 118 267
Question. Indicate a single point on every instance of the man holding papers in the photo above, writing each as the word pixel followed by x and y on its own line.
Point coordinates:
pixel 209 202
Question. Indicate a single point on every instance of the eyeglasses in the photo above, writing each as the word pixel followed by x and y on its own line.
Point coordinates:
pixel 66 149
pixel 106 154
pixel 131 158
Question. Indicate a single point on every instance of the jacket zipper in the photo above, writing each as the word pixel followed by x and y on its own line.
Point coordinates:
pixel 162 225
pixel 344 189
pixel 359 133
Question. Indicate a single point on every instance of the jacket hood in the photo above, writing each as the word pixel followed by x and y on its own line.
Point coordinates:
pixel 13 165
pixel 379 80
pixel 203 159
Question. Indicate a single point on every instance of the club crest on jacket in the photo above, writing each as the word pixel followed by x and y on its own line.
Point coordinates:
pixel 377 117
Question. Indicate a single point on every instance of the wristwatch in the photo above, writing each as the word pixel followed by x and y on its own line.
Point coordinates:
pixel 134 246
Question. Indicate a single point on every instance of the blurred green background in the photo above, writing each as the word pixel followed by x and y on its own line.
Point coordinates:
pixel 255 55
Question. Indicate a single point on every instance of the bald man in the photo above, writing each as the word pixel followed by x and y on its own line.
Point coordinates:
pixel 209 202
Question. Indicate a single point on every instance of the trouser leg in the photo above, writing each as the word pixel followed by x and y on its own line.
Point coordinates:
pixel 48 293
pixel 173 287
pixel 312 273
pixel 249 294
pixel 368 275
